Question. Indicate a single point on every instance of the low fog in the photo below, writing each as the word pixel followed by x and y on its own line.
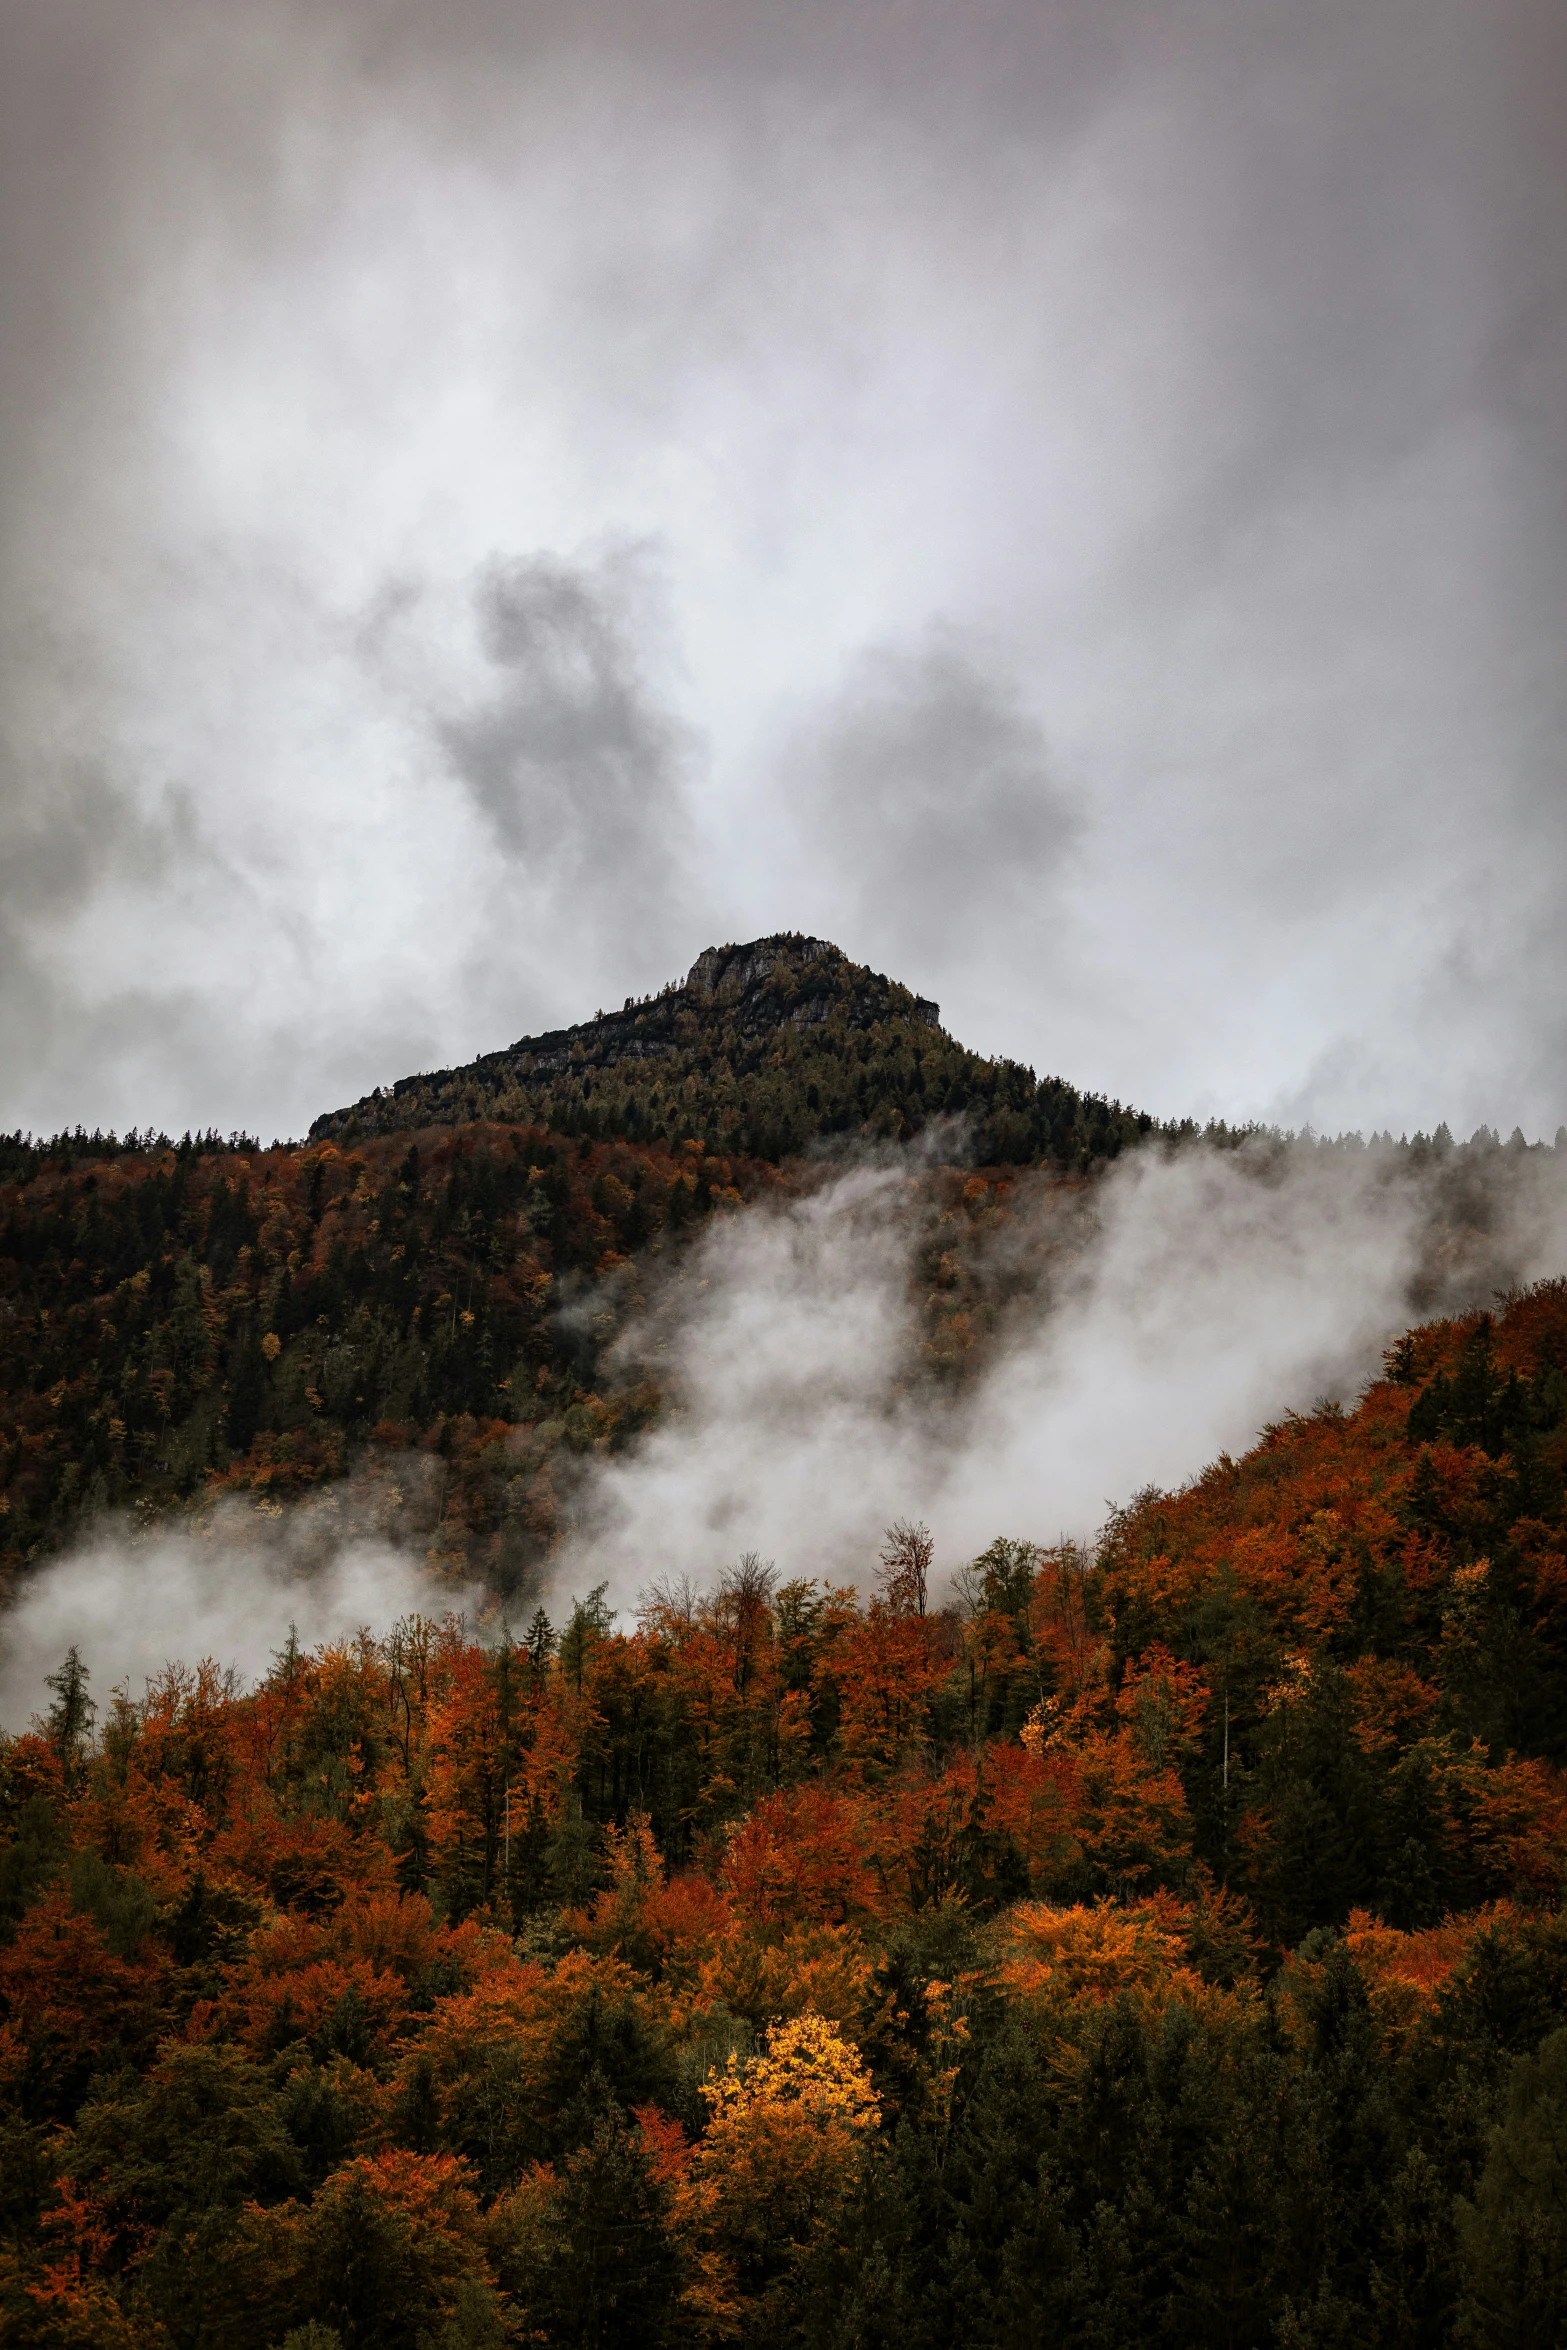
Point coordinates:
pixel 1150 1320
pixel 224 1587
pixel 1186 1301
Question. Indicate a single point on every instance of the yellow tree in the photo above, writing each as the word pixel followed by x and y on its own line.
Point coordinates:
pixel 782 2149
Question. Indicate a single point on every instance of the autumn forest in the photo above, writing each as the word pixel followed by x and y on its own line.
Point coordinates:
pixel 1157 1941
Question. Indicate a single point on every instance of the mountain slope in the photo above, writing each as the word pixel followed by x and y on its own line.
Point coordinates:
pixel 434 1318
pixel 1141 1948
pixel 761 1049
pixel 209 1319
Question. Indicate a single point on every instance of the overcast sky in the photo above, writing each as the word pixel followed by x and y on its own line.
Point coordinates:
pixel 1063 497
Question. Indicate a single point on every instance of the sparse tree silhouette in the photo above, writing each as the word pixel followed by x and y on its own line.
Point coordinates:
pixel 906 1554
pixel 745 1593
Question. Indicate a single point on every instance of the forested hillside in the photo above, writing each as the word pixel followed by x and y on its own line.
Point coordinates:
pixel 434 1315
pixel 437 1313
pixel 762 1049
pixel 1158 1946
pixel 204 1318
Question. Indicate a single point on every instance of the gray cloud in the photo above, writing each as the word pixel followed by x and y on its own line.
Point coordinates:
pixel 569 759
pixel 928 796
pixel 56 855
pixel 1202 362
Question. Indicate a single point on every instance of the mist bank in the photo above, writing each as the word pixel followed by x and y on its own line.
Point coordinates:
pixel 1141 1325
pixel 992 1352
pixel 225 1586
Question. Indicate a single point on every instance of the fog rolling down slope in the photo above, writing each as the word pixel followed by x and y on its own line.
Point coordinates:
pixel 584 1338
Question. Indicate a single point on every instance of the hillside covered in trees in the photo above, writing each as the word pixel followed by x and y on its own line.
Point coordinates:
pixel 437 1316
pixel 205 1319
pixel 1164 1945
pixel 432 1317
pixel 762 1049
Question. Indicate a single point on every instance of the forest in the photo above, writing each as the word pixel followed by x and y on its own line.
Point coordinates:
pixel 1157 1944
pixel 430 1320
pixel 434 1316
pixel 203 1319
pixel 1163 1941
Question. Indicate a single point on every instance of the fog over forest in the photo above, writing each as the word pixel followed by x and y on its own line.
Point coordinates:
pixel 871 1655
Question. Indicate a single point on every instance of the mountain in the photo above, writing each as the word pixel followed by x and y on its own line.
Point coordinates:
pixel 760 1050
pixel 1158 1943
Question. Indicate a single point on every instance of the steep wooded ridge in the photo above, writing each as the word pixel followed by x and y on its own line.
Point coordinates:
pixel 435 1314
pixel 1159 1946
pixel 760 1050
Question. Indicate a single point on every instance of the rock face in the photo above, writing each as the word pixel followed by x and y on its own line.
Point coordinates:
pixel 734 974
pixel 761 1048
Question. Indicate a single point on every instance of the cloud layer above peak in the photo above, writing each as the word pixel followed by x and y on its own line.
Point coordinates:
pixel 1064 499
